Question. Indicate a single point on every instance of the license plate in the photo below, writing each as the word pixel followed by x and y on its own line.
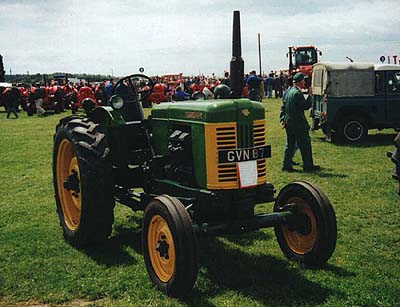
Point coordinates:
pixel 244 154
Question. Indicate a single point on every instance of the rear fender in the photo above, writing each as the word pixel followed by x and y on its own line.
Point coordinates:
pixel 106 116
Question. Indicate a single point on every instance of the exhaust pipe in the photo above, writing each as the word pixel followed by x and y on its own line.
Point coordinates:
pixel 237 63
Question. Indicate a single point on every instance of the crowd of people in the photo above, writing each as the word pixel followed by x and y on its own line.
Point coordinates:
pixel 256 87
pixel 39 98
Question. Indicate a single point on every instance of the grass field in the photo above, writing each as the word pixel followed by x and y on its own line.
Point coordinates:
pixel 38 268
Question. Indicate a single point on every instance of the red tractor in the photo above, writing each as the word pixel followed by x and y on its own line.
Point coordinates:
pixel 55 98
pixel 159 93
pixel 302 59
pixel 85 96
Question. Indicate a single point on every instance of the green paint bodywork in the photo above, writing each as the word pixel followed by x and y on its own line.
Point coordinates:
pixel 213 111
pixel 191 116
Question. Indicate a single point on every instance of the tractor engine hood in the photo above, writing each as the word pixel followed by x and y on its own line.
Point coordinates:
pixel 210 111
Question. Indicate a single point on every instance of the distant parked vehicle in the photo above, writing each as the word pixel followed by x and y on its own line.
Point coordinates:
pixel 351 98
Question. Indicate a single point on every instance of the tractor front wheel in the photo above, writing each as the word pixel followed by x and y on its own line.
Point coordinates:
pixel 310 235
pixel 169 246
pixel 82 181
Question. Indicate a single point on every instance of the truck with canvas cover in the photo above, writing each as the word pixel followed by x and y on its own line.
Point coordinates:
pixel 350 98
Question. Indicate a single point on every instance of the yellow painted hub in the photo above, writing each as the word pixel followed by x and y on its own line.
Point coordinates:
pixel 161 248
pixel 298 242
pixel 71 201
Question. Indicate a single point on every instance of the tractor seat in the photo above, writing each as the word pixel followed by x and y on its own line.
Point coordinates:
pixel 132 110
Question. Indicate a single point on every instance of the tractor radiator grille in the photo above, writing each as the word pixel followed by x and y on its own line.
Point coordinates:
pixel 226 139
pixel 245 136
pixel 259 140
pixel 230 136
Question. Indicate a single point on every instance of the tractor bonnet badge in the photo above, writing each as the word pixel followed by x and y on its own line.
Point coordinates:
pixel 245 112
pixel 194 115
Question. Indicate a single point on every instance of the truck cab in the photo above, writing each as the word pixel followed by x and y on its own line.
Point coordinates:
pixel 301 59
pixel 351 98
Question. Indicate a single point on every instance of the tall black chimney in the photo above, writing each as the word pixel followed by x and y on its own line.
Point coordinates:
pixel 237 63
pixel 2 71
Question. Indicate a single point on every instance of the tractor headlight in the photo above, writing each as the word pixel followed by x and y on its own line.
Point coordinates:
pixel 116 102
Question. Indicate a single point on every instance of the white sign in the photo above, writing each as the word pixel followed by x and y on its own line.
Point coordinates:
pixel 248 176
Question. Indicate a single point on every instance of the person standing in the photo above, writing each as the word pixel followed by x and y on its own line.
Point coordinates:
pixel 11 101
pixel 39 95
pixel 262 89
pixel 253 83
pixel 283 113
pixel 268 85
pixel 278 87
pixel 108 89
pixel 283 107
pixel 226 79
pixel 297 127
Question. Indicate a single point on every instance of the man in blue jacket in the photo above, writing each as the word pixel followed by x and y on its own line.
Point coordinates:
pixel 269 85
pixel 253 83
pixel 297 127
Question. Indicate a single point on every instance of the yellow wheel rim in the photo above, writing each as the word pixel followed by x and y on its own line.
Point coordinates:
pixel 70 198
pixel 298 242
pixel 161 248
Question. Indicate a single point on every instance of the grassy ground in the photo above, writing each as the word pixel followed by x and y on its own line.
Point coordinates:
pixel 38 268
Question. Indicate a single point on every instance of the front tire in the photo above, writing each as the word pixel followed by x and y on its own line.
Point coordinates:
pixel 82 181
pixel 169 246
pixel 310 236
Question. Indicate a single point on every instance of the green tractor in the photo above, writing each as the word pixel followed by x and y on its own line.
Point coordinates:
pixel 195 168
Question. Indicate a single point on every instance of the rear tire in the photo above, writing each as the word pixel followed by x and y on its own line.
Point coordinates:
pixel 82 181
pixel 352 129
pixel 169 246
pixel 313 240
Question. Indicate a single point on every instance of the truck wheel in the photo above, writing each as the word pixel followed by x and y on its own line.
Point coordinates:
pixel 82 181
pixel 169 246
pixel 352 129
pixel 310 236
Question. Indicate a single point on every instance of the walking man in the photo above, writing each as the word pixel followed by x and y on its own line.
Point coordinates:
pixel 297 127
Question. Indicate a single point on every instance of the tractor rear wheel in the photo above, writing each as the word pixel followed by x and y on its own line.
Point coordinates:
pixel 310 235
pixel 82 181
pixel 169 246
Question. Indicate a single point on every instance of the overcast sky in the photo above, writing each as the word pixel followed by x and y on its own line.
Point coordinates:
pixel 192 37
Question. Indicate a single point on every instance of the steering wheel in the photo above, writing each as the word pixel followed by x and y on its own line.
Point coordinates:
pixel 138 84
